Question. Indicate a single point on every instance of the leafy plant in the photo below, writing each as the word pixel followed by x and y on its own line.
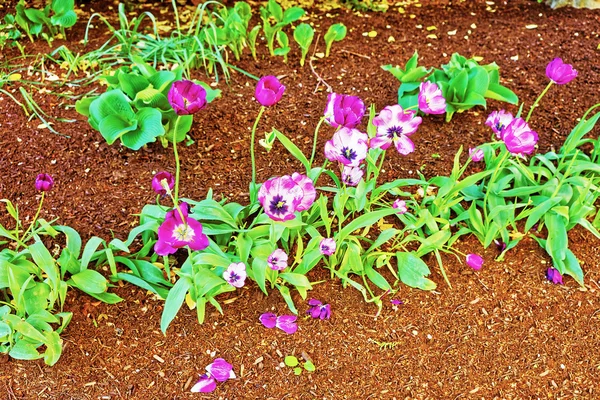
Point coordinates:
pixel 303 35
pixel 56 16
pixel 335 33
pixel 135 109
pixel 464 83
pixel 274 20
pixel 293 362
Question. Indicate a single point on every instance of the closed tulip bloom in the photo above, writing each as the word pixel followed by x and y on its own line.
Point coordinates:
pixel 400 205
pixel 344 110
pixel 474 261
pixel 327 246
pixel 161 181
pixel 44 182
pixel 519 138
pixel 431 100
pixel 559 72
pixel 186 97
pixel 351 176
pixel 554 276
pixel 476 154
pixel 269 90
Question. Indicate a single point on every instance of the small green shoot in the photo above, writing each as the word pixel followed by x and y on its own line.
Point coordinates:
pixel 335 33
pixel 303 35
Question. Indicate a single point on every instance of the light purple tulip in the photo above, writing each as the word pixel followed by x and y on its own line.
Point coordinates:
pixel 559 72
pixel 177 232
pixel 476 154
pixel 351 176
pixel 235 274
pixel 278 260
pixel 474 261
pixel 269 320
pixel 309 193
pixel 519 138
pixel 280 198
pixel 269 90
pixel 327 246
pixel 344 110
pixel 400 205
pixel 395 126
pixel 347 146
pixel 287 323
pixel 221 370
pixel 431 100
pixel 205 384
pixel 186 97
pixel 161 181
pixel 44 182
pixel 498 120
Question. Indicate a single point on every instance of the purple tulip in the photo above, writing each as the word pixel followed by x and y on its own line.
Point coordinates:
pixel 498 120
pixel 400 205
pixel 280 198
pixel 396 302
pixel 519 138
pixel 278 260
pixel 269 320
pixel 178 230
pixel 559 72
pixel 235 274
pixel 476 154
pixel 309 193
pixel 318 309
pixel 351 176
pixel 344 110
pixel 186 97
pixel 347 146
pixel 500 245
pixel 327 246
pixel 474 261
pixel 554 276
pixel 431 100
pixel 287 323
pixel 161 181
pixel 205 384
pixel 221 370
pixel 44 182
pixel 394 126
pixel 269 90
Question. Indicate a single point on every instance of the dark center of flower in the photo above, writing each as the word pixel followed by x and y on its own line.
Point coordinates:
pixel 234 277
pixel 277 205
pixel 394 132
pixel 348 153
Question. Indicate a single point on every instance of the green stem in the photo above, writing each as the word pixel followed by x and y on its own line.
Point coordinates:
pixel 176 197
pixel 314 148
pixel 37 214
pixel 252 136
pixel 492 179
pixel 535 104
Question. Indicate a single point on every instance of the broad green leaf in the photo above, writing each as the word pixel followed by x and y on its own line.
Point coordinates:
pixel 53 348
pixel 309 366
pixel 572 267
pixel 24 350
pixel 149 128
pixel 285 293
pixel 113 127
pixel 88 252
pixel 335 33
pixel 174 302
pixel 293 149
pixel 413 271
pixel 112 103
pixel 377 278
pixel 292 14
pixel 499 92
pixel 296 279
pixel 89 281
pixel 291 361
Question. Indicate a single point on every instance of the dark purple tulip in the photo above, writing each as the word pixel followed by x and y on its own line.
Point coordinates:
pixel 44 182
pixel 318 309
pixel 344 110
pixel 269 90
pixel 187 97
pixel 559 72
pixel 554 276
pixel 157 182
pixel 269 320
pixel 474 261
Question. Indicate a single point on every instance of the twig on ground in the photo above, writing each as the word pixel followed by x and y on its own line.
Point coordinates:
pixel 356 54
pixel 312 68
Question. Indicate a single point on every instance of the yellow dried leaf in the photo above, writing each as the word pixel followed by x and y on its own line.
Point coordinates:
pixel 452 33
pixel 190 303
pixel 432 36
pixel 319 55
pixel 383 226
pixel 478 58
pixel 431 28
pixel 14 77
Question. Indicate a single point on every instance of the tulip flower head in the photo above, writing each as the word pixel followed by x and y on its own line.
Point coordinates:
pixel 318 309
pixel 344 110
pixel 177 231
pixel 400 205
pixel 519 138
pixel 281 197
pixel 474 261
pixel 269 90
pixel 395 126
pixel 559 72
pixel 347 146
pixel 476 154
pixel 554 276
pixel 286 323
pixel 186 97
pixel 219 370
pixel 498 120
pixel 431 100
pixel 235 274
pixel 278 260
pixel 327 246
pixel 44 182
pixel 351 176
pixel 163 182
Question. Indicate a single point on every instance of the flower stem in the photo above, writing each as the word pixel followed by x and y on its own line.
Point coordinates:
pixel 252 136
pixel 314 148
pixel 37 214
pixel 535 104
pixel 176 197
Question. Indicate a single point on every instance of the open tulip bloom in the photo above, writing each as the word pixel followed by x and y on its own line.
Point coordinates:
pixel 431 100
pixel 219 370
pixel 400 205
pixel 327 246
pixel 186 97
pixel 347 146
pixel 235 274
pixel 351 176
pixel 519 138
pixel 269 90
pixel 178 230
pixel 394 126
pixel 344 110
pixel 278 260
pixel 281 197
pixel 498 120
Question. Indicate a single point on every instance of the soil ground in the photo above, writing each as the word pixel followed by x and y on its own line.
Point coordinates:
pixel 503 332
